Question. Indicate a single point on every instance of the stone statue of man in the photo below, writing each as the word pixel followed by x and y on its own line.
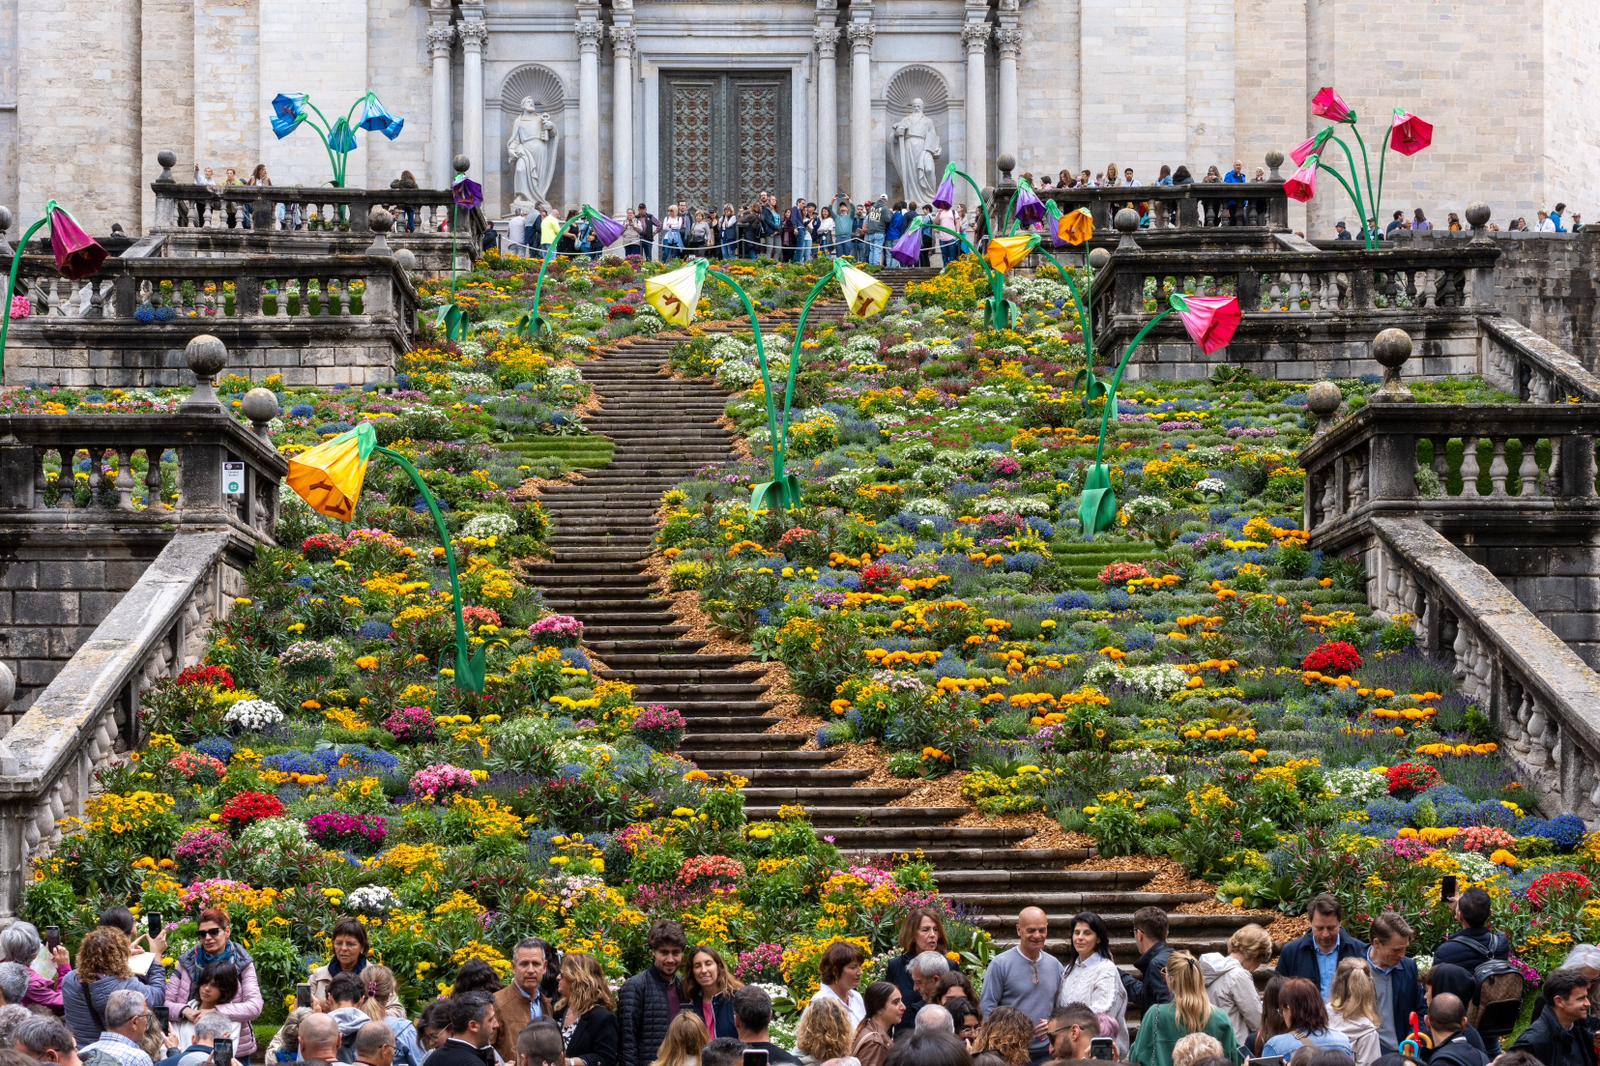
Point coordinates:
pixel 531 150
pixel 916 144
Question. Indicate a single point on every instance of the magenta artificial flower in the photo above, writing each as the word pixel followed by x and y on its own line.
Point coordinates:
pixel 1409 134
pixel 78 255
pixel 1210 320
pixel 1302 184
pixel 1310 146
pixel 1330 105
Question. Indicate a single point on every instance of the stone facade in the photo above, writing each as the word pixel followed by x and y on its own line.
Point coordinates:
pixel 1549 284
pixel 1067 83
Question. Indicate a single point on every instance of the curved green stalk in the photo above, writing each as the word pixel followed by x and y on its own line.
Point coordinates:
pixel 470 669
pixel 780 446
pixel 1355 178
pixel 761 351
pixel 1116 380
pixel 11 283
pixel 1366 165
pixel 535 322
pixel 324 133
pixel 965 247
pixel 1077 298
pixel 983 206
pixel 1354 196
pixel 1377 202
pixel 455 222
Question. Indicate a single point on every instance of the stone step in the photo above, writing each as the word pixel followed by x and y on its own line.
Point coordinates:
pixel 1123 949
pixel 676 660
pixel 743 742
pixel 956 880
pixel 583 566
pixel 930 818
pixel 663 691
pixel 694 707
pixel 635 645
pixel 746 763
pixel 599 632
pixel 1108 903
pixel 780 777
pixel 591 582
pixel 851 838
pixel 722 723
pixel 1120 921
pixel 994 857
pixel 809 795
pixel 694 677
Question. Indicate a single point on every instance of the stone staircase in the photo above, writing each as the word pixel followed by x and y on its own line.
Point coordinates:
pixel 899 277
pixel 664 430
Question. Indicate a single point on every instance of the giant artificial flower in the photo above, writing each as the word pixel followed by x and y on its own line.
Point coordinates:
pixel 341 138
pixel 1004 253
pixel 329 476
pixel 466 193
pixel 1210 320
pixel 945 197
pixel 1330 105
pixel 1029 210
pixel 375 117
pixel 1097 510
pixel 1076 227
pixel 1409 134
pixel 676 293
pixel 78 255
pixel 908 249
pixel 1302 184
pixel 864 294
pixel 607 230
pixel 1311 146
pixel 290 106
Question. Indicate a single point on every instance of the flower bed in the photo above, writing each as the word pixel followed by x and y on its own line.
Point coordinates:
pixel 320 762
pixel 1196 684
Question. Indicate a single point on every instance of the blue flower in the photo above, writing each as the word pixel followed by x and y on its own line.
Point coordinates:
pixel 1077 600
pixel 302 410
pixel 374 117
pixel 1566 831
pixel 375 630
pixel 219 748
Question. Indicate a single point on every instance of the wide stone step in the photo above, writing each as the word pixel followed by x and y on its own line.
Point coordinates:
pixel 591 582
pixel 597 633
pixel 636 645
pixel 695 677
pixel 678 660
pixel 1123 948
pixel 987 858
pixel 600 619
pixel 710 706
pixel 728 690
pixel 781 777
pixel 822 795
pixel 850 838
pixel 742 741
pixel 746 763
pixel 583 566
pixel 1120 920
pixel 864 816
pixel 1108 903
pixel 751 723
pixel 954 880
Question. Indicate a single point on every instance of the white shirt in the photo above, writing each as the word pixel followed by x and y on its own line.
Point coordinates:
pixel 1097 984
pixel 1548 225
pixel 855 1004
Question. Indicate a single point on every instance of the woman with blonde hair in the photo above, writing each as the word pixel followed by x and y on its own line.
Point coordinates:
pixel 381 987
pixel 1353 1009
pixel 1196 1047
pixel 586 1012
pixel 1228 977
pixel 824 1032
pixel 1189 1012
pixel 686 1038
pixel 1007 1032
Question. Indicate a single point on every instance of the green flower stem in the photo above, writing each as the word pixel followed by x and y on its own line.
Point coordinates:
pixel 1116 380
pixel 988 224
pixel 1377 200
pixel 1354 196
pixel 325 132
pixel 1354 187
pixel 1077 298
pixel 780 445
pixel 455 222
pixel 1366 165
pixel 761 357
pixel 469 674
pixel 11 283
pixel 538 288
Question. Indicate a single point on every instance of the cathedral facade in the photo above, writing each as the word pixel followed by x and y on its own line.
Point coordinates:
pixel 617 102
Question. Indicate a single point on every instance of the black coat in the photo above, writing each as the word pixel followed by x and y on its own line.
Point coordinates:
pixel 459 1053
pixel 594 1038
pixel 1554 1044
pixel 644 1012
pixel 1150 987
pixel 1457 1051
pixel 1471 948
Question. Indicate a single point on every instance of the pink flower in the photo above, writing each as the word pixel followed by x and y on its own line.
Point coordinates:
pixel 1409 134
pixel 1210 320
pixel 1330 105
pixel 1302 184
pixel 1310 146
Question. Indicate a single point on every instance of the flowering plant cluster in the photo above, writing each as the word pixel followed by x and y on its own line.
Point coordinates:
pixel 361 832
pixel 1336 656
pixel 561 630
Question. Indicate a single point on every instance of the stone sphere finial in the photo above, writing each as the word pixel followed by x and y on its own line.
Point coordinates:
pixel 5 224
pixel 1126 222
pixel 380 220
pixel 461 163
pixel 1098 258
pixel 1478 219
pixel 1007 163
pixel 406 258
pixel 8 686
pixel 1323 400
pixel 260 407
pixel 206 356
pixel 168 159
pixel 1274 160
pixel 1391 349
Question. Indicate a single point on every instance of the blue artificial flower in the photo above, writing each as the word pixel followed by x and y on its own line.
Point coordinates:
pixel 375 117
pixel 289 105
pixel 285 126
pixel 341 138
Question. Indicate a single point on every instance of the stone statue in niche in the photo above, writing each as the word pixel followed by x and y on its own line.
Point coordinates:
pixel 531 149
pixel 916 151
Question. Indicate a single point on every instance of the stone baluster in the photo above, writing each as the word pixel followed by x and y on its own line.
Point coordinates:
pixel 1528 468
pixel 152 478
pixel 66 479
pixel 124 480
pixel 1498 470
pixel 1469 465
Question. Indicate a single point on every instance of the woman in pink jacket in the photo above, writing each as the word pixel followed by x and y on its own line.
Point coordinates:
pixel 183 992
pixel 20 943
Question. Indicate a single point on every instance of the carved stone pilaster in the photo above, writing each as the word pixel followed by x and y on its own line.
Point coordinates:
pixel 589 35
pixel 1009 39
pixel 474 35
pixel 623 38
pixel 827 41
pixel 975 35
pixel 861 36
pixel 441 35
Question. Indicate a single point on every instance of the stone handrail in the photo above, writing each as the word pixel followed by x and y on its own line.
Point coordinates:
pixel 284 289
pixel 41 457
pixel 309 208
pixel 1294 283
pixel 1523 363
pixel 1543 698
pixel 47 760
pixel 1369 465
pixel 1261 205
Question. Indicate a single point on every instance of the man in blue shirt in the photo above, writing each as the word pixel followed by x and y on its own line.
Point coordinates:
pixel 1556 216
pixel 1317 955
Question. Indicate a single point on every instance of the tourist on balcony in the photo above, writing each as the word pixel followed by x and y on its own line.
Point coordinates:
pixel 217 947
pixel 886 1009
pixel 1128 181
pixel 406 180
pixel 1420 223
pixel 20 943
pixel 825 1032
pixel 1188 1011
pixel 1396 222
pixel 1341 232
pixel 1166 175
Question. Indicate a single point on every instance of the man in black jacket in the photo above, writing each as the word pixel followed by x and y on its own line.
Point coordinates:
pixel 471 1029
pixel 1558 1036
pixel 1473 944
pixel 1447 1017
pixel 752 1017
pixel 1150 933
pixel 649 1000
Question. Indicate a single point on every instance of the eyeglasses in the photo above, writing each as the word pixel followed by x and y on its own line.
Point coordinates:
pixel 209 933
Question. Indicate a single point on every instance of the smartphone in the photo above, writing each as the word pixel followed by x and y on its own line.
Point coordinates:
pixel 222 1052
pixel 152 922
pixel 755 1056
pixel 1447 887
pixel 1103 1048
pixel 163 1016
pixel 302 995
pixel 52 937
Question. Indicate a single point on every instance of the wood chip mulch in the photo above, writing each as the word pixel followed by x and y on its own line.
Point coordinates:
pixel 534 487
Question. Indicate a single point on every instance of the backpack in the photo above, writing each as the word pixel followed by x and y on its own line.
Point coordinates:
pixel 347 1046
pixel 1500 989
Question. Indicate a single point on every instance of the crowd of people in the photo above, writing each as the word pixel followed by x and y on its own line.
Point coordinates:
pixel 1332 1000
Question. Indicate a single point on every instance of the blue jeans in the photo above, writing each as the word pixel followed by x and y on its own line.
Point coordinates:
pixel 671 245
pixel 875 249
pixel 805 250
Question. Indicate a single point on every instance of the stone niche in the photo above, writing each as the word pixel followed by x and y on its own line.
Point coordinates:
pixel 909 83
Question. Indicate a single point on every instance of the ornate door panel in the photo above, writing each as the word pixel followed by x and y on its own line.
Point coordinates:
pixel 724 137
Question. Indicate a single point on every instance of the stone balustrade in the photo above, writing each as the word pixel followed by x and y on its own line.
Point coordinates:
pixel 1542 697
pixel 1183 209
pixel 1527 365
pixel 320 320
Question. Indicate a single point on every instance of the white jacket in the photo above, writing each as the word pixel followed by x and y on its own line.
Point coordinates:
pixel 1232 991
pixel 1364 1042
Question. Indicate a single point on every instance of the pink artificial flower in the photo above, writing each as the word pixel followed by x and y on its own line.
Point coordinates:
pixel 1210 320
pixel 1302 184
pixel 1409 134
pixel 1310 147
pixel 1330 105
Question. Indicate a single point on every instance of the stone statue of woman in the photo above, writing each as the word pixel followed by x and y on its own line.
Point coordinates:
pixel 531 149
pixel 916 144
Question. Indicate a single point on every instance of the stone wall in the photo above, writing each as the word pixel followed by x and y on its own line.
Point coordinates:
pixel 229 122
pixel 8 103
pixel 1558 578
pixel 1549 283
pixel 167 56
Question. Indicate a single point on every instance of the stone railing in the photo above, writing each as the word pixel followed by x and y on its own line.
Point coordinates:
pixel 1254 205
pixel 48 759
pixel 1474 465
pixel 1525 364
pixel 1543 698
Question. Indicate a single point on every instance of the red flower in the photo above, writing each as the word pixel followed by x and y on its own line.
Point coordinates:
pixel 217 676
pixel 1302 184
pixel 1409 778
pixel 1409 134
pixel 1336 656
pixel 247 808
pixel 1547 888
pixel 1330 105
pixel 1210 320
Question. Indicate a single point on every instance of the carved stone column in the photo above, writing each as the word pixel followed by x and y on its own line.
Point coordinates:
pixel 474 34
pixel 861 35
pixel 1010 41
pixel 827 38
pixel 440 36
pixel 975 35
pixel 589 148
pixel 622 41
